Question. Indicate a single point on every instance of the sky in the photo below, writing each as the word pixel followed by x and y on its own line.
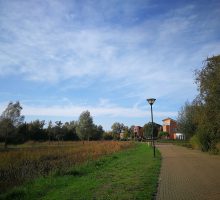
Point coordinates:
pixel 60 58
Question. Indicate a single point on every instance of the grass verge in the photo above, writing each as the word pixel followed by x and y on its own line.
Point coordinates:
pixel 129 174
pixel 184 143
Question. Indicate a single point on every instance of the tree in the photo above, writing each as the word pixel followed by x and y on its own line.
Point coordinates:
pixel 59 134
pixel 126 133
pixel 186 120
pixel 85 126
pixel 117 128
pixel 131 131
pixel 148 129
pixel 11 118
pixel 69 129
pixel 50 131
pixel 97 133
pixel 208 81
pixel 36 130
pixel 108 135
pixel 21 135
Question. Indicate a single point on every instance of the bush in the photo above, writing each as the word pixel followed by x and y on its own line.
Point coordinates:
pixel 163 134
pixel 207 140
pixel 195 143
pixel 218 146
pixel 108 136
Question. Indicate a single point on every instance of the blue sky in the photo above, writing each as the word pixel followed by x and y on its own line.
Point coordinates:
pixel 59 58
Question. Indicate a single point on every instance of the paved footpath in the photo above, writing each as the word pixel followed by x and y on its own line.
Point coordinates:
pixel 188 174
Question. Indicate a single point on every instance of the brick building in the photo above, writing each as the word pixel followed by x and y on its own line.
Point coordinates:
pixel 138 132
pixel 170 126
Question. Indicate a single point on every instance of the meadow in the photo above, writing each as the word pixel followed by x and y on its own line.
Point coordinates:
pixel 126 171
pixel 20 163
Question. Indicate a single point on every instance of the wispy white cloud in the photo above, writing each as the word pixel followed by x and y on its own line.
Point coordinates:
pixel 98 110
pixel 123 48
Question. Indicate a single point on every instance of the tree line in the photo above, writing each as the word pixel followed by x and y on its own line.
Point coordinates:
pixel 200 119
pixel 14 130
pixel 128 132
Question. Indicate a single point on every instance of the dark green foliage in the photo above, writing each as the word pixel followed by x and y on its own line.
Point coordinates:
pixel 14 131
pixel 186 120
pixel 86 129
pixel 163 134
pixel 108 136
pixel 202 117
pixel 36 130
pixel 148 130
pixel 117 128
pixel 97 132
pixel 208 81
pixel 85 126
pixel 10 119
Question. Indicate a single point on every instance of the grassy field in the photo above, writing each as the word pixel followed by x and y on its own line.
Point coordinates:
pixel 26 162
pixel 128 174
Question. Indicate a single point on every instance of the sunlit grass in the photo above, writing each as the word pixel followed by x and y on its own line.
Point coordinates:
pixel 129 174
pixel 28 161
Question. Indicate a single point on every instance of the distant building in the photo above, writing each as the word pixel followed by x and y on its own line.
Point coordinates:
pixel 122 135
pixel 138 132
pixel 170 126
pixel 179 136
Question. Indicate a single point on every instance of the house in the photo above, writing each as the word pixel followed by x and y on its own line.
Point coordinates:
pixel 179 136
pixel 138 132
pixel 122 135
pixel 170 126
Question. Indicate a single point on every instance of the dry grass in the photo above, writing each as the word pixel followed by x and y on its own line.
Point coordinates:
pixel 28 161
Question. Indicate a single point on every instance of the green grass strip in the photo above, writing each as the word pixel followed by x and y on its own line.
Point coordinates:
pixel 129 174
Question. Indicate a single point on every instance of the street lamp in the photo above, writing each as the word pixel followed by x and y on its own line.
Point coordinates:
pixel 151 102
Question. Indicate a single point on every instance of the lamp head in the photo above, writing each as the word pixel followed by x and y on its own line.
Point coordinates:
pixel 151 101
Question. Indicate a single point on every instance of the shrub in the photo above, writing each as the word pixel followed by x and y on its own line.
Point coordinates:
pixel 108 136
pixel 163 134
pixel 195 143
pixel 207 140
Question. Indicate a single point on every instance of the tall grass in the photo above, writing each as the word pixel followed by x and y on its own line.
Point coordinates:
pixel 26 162
pixel 129 174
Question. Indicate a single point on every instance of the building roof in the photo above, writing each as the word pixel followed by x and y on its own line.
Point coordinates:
pixel 138 126
pixel 155 124
pixel 168 119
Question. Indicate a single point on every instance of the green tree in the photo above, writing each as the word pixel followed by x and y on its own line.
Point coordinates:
pixel 131 131
pixel 208 116
pixel 186 120
pixel 97 133
pixel 148 129
pixel 10 119
pixel 50 131
pixel 127 133
pixel 59 133
pixel 69 129
pixel 108 135
pixel 117 128
pixel 85 126
pixel 36 130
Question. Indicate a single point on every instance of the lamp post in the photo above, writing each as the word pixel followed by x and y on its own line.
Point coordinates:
pixel 151 102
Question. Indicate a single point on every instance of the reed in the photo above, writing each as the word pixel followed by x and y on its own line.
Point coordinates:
pixel 28 161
